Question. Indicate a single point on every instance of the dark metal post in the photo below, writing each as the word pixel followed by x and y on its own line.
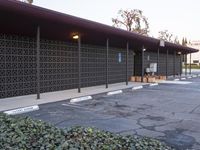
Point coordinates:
pixel 185 64
pixel 133 63
pixel 190 63
pixel 142 77
pixel 167 64
pixel 174 65
pixel 107 48
pixel 158 57
pixel 79 64
pixel 181 65
pixel 38 62
pixel 127 49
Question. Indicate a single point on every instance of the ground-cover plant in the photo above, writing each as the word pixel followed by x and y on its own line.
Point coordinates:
pixel 25 133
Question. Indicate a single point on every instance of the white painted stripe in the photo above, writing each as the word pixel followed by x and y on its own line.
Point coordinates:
pixel 176 82
pixel 78 106
pixel 153 84
pixel 22 110
pixel 137 87
pixel 114 92
pixel 199 75
pixel 183 78
pixel 189 77
pixel 79 99
pixel 194 76
pixel 176 79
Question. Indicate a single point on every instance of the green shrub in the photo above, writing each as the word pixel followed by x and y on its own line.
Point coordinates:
pixel 193 66
pixel 25 133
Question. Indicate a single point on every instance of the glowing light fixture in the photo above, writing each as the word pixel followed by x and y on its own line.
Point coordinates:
pixel 144 49
pixel 76 37
pixel 179 53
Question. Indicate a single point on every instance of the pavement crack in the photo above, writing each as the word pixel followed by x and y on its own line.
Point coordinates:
pixel 194 109
pixel 84 120
pixel 152 127
pixel 128 131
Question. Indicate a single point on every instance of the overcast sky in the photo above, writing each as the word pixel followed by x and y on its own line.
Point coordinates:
pixel 180 17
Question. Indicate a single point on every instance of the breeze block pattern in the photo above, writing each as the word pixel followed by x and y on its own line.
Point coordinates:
pixel 58 65
pixel 17 66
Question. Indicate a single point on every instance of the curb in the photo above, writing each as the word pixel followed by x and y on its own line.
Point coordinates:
pixel 176 79
pixel 153 84
pixel 22 110
pixel 137 87
pixel 80 99
pixel 115 92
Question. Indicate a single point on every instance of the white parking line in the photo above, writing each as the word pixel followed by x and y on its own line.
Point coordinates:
pixel 78 107
pixel 176 82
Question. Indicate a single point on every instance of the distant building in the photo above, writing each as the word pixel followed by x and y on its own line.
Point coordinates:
pixel 195 57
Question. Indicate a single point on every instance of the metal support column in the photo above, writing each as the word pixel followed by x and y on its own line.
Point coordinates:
pixel 133 63
pixel 181 69
pixel 107 49
pixel 142 76
pixel 190 63
pixel 38 62
pixel 158 57
pixel 174 64
pixel 185 64
pixel 127 49
pixel 79 64
pixel 167 64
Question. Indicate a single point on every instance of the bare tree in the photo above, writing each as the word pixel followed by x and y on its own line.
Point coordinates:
pixel 27 1
pixel 165 35
pixel 132 20
pixel 176 40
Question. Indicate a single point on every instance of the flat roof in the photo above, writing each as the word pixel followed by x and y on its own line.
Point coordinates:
pixel 22 19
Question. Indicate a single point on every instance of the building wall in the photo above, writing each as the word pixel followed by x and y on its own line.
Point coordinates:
pixel 151 57
pixel 17 66
pixel 195 57
pixel 58 65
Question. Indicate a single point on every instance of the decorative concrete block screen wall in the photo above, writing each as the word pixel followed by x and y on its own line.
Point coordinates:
pixel 151 57
pixel 58 65
pixel 17 66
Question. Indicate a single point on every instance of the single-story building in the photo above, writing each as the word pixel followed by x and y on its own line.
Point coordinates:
pixel 43 50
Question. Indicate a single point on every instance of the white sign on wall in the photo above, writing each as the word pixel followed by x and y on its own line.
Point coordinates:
pixel 162 43
pixel 153 67
pixel 119 57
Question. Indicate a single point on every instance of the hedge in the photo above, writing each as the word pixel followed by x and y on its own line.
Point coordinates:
pixel 27 134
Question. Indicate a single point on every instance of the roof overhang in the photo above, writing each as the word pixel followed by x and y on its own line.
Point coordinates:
pixel 23 19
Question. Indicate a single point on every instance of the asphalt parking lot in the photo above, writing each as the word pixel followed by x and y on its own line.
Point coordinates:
pixel 168 112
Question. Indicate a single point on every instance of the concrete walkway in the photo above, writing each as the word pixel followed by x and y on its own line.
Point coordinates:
pixel 29 100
